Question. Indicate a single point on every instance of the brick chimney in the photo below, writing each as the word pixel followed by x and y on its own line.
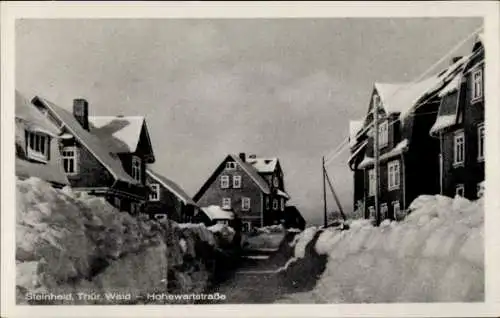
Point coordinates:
pixel 81 112
pixel 243 157
pixel 455 59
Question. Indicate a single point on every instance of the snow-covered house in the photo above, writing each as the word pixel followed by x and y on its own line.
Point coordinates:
pixel 253 188
pixel 408 156
pixel 37 149
pixel 459 128
pixel 168 200
pixel 104 156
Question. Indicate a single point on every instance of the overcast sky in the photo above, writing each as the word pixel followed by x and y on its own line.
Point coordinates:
pixel 273 87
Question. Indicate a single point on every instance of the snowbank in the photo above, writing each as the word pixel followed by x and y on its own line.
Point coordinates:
pixel 436 254
pixel 69 242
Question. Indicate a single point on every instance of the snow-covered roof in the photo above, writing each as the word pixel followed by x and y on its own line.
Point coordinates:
pixel 283 194
pixel 215 212
pixel 354 127
pixel 32 118
pixel 481 38
pixel 402 97
pixel 452 86
pixel 253 173
pixel 90 141
pixel 122 133
pixel 48 172
pixel 443 121
pixel 171 186
pixel 263 165
pixel 399 149
pixel 357 151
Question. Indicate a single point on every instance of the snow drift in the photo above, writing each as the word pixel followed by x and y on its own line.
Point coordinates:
pixel 436 254
pixel 69 243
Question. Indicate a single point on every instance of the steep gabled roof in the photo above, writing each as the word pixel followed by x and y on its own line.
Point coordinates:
pixel 245 166
pixel 89 141
pixel 171 186
pixel 32 117
pixel 263 165
pixel 120 133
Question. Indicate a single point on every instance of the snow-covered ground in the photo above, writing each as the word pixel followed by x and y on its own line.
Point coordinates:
pixel 436 254
pixel 69 243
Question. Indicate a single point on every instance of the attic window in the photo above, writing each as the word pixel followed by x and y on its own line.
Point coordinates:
pixel 136 168
pixel 37 146
pixel 231 165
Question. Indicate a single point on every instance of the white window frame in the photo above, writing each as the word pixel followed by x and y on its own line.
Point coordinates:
pixel 134 208
pixel 246 226
pixel 136 168
pixel 33 149
pixel 224 182
pixel 371 182
pixel 477 85
pixel 237 182
pixel 384 211
pixel 371 211
pixel 460 188
pixel 395 211
pixel 480 142
pixel 275 204
pixel 393 175
pixel 226 203
pixel 154 195
pixel 230 165
pixel 383 134
pixel 282 204
pixel 245 204
pixel 459 148
pixel 66 157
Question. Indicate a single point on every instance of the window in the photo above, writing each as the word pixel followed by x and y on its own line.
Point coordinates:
pixel 275 204
pixel 118 203
pixel 460 190
pixel 276 181
pixel 396 209
pixel 245 204
pixel 371 182
pixel 136 168
pixel 267 203
pixel 480 142
pixel 224 182
pixel 231 165
pixel 246 226
pixel 383 134
pixel 226 203
pixel 477 85
pixel 459 148
pixel 383 211
pixel 237 182
pixel 134 208
pixel 154 195
pixel 69 159
pixel 371 211
pixel 282 204
pixel 37 145
pixel 393 175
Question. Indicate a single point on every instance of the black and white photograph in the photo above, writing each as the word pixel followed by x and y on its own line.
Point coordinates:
pixel 217 161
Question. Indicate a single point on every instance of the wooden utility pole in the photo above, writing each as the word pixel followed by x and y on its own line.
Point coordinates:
pixel 335 196
pixel 323 171
pixel 376 157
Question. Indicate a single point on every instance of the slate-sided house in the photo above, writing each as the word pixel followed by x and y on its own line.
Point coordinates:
pixel 409 157
pixel 105 157
pixel 459 128
pixel 253 188
pixel 168 199
pixel 37 149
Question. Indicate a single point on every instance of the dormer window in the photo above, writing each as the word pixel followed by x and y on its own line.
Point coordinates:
pixel 136 168
pixel 477 85
pixel 383 134
pixel 70 160
pixel 37 146
pixel 276 182
pixel 231 165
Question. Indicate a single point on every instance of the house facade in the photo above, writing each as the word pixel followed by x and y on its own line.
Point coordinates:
pixel 252 188
pixel 168 200
pixel 459 128
pixel 104 157
pixel 37 145
pixel 408 156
